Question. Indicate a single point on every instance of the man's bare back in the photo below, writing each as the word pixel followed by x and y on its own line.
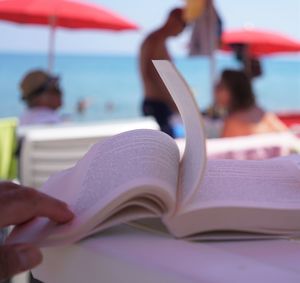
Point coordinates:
pixel 157 100
pixel 154 48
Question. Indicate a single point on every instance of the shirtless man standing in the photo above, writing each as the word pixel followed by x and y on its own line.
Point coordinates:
pixel 158 102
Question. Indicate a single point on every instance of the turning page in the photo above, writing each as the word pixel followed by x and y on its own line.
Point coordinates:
pixel 192 166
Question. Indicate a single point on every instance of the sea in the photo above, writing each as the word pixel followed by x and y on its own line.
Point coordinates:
pixel 111 88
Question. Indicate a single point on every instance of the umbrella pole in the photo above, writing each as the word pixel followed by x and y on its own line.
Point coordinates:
pixel 212 41
pixel 51 54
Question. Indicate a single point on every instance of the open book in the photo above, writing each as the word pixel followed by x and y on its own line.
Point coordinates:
pixel 139 174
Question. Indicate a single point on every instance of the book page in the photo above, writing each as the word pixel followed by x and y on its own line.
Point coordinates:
pixel 264 183
pixel 130 158
pixel 192 166
pixel 249 196
pixel 120 171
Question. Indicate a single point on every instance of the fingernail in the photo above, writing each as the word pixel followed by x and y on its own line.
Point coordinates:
pixel 66 210
pixel 28 256
pixel 69 212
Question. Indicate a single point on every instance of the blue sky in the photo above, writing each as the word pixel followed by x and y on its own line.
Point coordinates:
pixel 278 15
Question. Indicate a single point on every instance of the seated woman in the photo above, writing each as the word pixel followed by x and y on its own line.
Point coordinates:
pixel 234 95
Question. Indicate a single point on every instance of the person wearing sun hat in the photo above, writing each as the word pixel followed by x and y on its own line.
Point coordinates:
pixel 42 95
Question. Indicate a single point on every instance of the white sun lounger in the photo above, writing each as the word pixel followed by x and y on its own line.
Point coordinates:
pixel 260 146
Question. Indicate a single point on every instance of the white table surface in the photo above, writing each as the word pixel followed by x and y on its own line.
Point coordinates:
pixel 125 254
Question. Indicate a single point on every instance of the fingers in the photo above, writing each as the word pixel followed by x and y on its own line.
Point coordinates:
pixel 4 185
pixel 18 258
pixel 21 205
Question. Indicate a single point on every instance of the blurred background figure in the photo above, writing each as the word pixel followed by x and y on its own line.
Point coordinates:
pixel 234 96
pixel 42 95
pixel 109 106
pixel 82 106
pixel 158 102
pixel 251 64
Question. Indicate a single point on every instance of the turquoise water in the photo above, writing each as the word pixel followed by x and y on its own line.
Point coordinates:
pixel 111 83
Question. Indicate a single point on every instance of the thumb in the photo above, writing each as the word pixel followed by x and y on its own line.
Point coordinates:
pixel 18 258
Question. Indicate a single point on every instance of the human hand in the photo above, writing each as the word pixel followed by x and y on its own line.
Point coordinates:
pixel 19 205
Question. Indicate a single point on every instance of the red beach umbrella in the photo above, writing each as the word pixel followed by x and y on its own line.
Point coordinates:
pixel 259 42
pixel 62 13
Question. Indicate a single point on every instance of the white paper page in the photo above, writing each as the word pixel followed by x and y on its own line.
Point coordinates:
pixel 194 157
pixel 272 183
pixel 138 155
pixel 249 196
pixel 133 164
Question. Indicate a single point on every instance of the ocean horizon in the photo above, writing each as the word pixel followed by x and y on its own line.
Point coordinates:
pixel 111 83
